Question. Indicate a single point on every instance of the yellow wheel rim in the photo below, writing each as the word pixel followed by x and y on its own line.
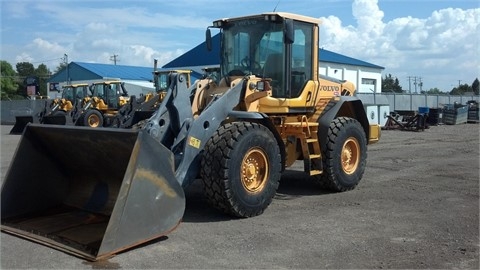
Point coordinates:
pixel 350 155
pixel 93 120
pixel 254 170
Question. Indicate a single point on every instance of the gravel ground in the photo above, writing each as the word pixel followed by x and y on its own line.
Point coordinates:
pixel 417 206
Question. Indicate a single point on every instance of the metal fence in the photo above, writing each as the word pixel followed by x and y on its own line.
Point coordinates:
pixel 11 108
pixel 411 102
pixel 404 102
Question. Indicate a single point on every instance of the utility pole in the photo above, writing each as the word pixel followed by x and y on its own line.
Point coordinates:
pixel 65 61
pixel 415 83
pixel 114 58
pixel 409 84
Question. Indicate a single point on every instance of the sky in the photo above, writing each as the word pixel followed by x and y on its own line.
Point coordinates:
pixel 436 42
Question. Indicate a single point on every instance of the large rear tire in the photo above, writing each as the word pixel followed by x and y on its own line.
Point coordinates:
pixel 241 169
pixel 344 155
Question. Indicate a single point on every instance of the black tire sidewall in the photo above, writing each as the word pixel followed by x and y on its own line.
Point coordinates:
pixel 261 139
pixel 59 113
pixel 221 167
pixel 340 180
pixel 90 113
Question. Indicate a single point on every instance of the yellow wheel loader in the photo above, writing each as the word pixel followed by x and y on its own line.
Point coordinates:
pixel 112 189
pixel 57 111
pixel 100 110
pixel 137 110
pixel 61 110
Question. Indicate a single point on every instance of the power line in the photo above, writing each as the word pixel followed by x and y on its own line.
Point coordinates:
pixel 49 60
pixel 114 58
pixel 417 81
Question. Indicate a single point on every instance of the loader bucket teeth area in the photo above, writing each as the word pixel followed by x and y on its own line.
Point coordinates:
pixel 90 192
pixel 20 123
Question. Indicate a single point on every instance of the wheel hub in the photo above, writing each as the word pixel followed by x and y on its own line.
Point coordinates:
pixel 350 155
pixel 93 121
pixel 254 170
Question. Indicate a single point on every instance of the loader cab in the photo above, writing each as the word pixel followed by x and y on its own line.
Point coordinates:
pixel 281 47
pixel 71 95
pixel 75 92
pixel 110 92
pixel 161 78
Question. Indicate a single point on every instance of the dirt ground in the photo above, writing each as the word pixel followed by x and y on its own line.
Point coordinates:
pixel 417 206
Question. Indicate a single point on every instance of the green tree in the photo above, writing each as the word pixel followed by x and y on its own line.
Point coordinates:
pixel 9 85
pixel 476 86
pixel 43 74
pixel 434 91
pixel 61 66
pixel 461 89
pixel 389 84
pixel 24 69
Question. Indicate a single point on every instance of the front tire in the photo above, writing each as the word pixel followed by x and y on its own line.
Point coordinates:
pixel 241 169
pixel 93 118
pixel 344 155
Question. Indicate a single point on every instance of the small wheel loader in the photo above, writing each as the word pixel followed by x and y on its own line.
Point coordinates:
pixel 100 110
pixel 113 189
pixel 61 110
pixel 57 111
pixel 137 110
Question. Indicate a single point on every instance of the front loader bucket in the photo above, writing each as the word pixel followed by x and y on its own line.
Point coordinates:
pixel 20 123
pixel 90 192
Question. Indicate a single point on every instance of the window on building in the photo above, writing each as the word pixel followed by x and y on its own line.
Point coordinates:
pixel 369 81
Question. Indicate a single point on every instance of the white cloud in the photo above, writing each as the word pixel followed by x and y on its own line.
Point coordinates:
pixel 143 55
pixel 48 46
pixel 427 47
pixel 23 57
pixel 433 46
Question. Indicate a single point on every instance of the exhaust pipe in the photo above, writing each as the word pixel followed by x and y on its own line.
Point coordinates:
pixel 90 192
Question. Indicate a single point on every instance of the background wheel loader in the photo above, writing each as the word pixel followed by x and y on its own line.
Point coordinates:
pixel 136 110
pixel 116 188
pixel 61 110
pixel 100 110
pixel 56 111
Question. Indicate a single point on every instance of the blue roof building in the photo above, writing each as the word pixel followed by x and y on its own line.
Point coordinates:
pixel 80 71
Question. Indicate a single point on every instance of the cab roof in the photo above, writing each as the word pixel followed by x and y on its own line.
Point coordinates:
pixel 285 15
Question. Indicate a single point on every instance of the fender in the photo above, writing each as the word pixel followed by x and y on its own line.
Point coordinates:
pixel 346 106
pixel 264 120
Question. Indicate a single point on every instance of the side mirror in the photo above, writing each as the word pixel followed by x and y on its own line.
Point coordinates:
pixel 288 33
pixel 208 39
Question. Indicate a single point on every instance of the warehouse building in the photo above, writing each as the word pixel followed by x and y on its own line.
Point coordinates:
pixel 137 79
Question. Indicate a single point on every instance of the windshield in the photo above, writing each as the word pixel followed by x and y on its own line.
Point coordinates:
pixel 98 90
pixel 80 92
pixel 67 93
pixel 255 46
pixel 163 81
pixel 248 43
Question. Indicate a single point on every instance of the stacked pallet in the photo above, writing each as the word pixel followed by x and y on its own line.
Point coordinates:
pixel 473 115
